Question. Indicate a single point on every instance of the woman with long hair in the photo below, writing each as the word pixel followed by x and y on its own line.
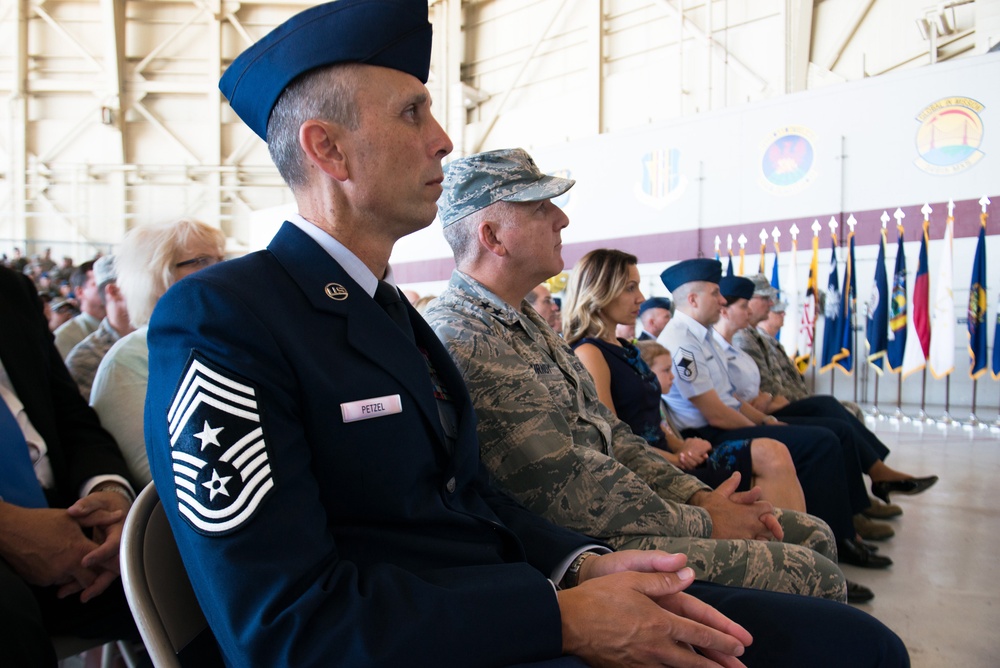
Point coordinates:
pixel 604 292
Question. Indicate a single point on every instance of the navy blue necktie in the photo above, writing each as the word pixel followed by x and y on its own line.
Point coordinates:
pixel 388 298
pixel 18 484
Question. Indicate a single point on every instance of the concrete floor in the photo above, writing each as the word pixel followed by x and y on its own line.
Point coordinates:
pixel 942 594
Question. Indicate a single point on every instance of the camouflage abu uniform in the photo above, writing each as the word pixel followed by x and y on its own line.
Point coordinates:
pixel 86 356
pixel 552 445
pixel 775 377
pixel 778 374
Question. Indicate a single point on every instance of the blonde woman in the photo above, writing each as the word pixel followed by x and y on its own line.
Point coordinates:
pixel 604 292
pixel 150 260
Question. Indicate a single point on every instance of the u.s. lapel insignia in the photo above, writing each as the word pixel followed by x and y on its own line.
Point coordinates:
pixel 220 459
pixel 685 366
pixel 336 291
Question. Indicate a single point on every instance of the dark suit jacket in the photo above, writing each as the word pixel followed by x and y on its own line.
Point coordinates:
pixel 78 448
pixel 334 542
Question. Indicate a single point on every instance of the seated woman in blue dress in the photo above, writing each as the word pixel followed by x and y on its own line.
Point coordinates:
pixel 604 292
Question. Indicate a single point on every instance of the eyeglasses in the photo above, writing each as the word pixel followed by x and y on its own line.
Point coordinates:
pixel 200 262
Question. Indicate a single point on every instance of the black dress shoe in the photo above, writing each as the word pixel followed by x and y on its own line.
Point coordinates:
pixel 855 553
pixel 857 593
pixel 883 488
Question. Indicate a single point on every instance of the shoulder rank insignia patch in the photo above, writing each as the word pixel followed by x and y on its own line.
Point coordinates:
pixel 220 461
pixel 685 366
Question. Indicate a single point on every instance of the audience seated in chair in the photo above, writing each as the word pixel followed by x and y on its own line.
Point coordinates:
pixel 149 261
pixel 64 494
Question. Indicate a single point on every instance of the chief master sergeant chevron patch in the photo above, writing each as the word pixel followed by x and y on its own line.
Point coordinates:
pixel 220 460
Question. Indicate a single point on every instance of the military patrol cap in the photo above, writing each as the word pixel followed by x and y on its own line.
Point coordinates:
pixel 389 33
pixel 700 269
pixel 736 287
pixel 762 286
pixel 105 270
pixel 61 303
pixel 779 306
pixel 477 181
pixel 655 302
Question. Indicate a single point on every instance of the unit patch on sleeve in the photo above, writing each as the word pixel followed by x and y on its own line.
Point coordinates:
pixel 685 365
pixel 220 462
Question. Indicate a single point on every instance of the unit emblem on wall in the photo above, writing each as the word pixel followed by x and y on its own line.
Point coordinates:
pixel 789 161
pixel 949 136
pixel 661 181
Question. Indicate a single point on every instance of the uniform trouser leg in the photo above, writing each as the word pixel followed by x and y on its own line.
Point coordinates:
pixel 798 631
pixel 819 465
pixel 754 564
pixel 870 448
pixel 853 471
pixel 23 638
pixel 794 631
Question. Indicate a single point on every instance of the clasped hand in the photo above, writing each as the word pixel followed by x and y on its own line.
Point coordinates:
pixel 630 610
pixel 740 515
pixel 49 546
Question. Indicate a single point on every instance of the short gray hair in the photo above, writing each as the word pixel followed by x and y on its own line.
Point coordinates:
pixel 147 257
pixel 325 93
pixel 463 235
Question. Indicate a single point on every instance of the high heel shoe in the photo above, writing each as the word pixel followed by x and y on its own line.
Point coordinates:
pixel 910 486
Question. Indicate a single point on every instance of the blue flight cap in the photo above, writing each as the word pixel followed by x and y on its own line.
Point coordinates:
pixel 736 287
pixel 700 269
pixel 656 302
pixel 389 33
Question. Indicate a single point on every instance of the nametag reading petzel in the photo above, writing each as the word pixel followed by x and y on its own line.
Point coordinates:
pixel 370 408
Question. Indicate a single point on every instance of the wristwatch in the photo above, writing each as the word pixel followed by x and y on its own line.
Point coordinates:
pixel 572 577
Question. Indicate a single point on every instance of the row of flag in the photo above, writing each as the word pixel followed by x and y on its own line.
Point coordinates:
pixel 902 335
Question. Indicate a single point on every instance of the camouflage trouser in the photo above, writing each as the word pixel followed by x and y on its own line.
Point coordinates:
pixel 855 410
pixel 805 563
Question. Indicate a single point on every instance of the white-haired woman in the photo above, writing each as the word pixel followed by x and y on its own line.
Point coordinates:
pixel 150 260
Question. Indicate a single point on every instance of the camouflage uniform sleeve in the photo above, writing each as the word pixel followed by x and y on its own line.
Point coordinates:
pixel 769 380
pixel 527 443
pixel 794 387
pixel 633 451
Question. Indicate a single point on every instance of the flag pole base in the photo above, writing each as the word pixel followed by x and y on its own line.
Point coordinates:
pixel 899 416
pixel 924 416
pixel 975 423
pixel 946 419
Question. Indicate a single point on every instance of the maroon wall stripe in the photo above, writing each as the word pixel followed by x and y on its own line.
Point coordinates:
pixel 681 245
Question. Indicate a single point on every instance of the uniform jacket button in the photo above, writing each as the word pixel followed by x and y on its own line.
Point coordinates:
pixel 451 485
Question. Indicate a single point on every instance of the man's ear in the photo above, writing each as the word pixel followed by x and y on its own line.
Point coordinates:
pixel 321 141
pixel 489 237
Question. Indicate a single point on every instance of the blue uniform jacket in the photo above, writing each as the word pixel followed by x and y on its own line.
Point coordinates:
pixel 311 540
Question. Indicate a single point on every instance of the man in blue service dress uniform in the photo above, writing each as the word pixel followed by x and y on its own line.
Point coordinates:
pixel 315 448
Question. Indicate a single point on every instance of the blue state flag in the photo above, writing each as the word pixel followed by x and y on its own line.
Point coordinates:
pixel 775 282
pixel 877 327
pixel 846 362
pixel 897 310
pixel 977 308
pixel 729 269
pixel 996 348
pixel 833 316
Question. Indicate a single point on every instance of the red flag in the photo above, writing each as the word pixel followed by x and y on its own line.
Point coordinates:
pixel 921 298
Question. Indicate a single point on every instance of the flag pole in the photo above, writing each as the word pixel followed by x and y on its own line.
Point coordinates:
pixel 977 314
pixel 922 416
pixel 974 421
pixel 996 423
pixel 898 415
pixel 947 418
pixel 876 413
